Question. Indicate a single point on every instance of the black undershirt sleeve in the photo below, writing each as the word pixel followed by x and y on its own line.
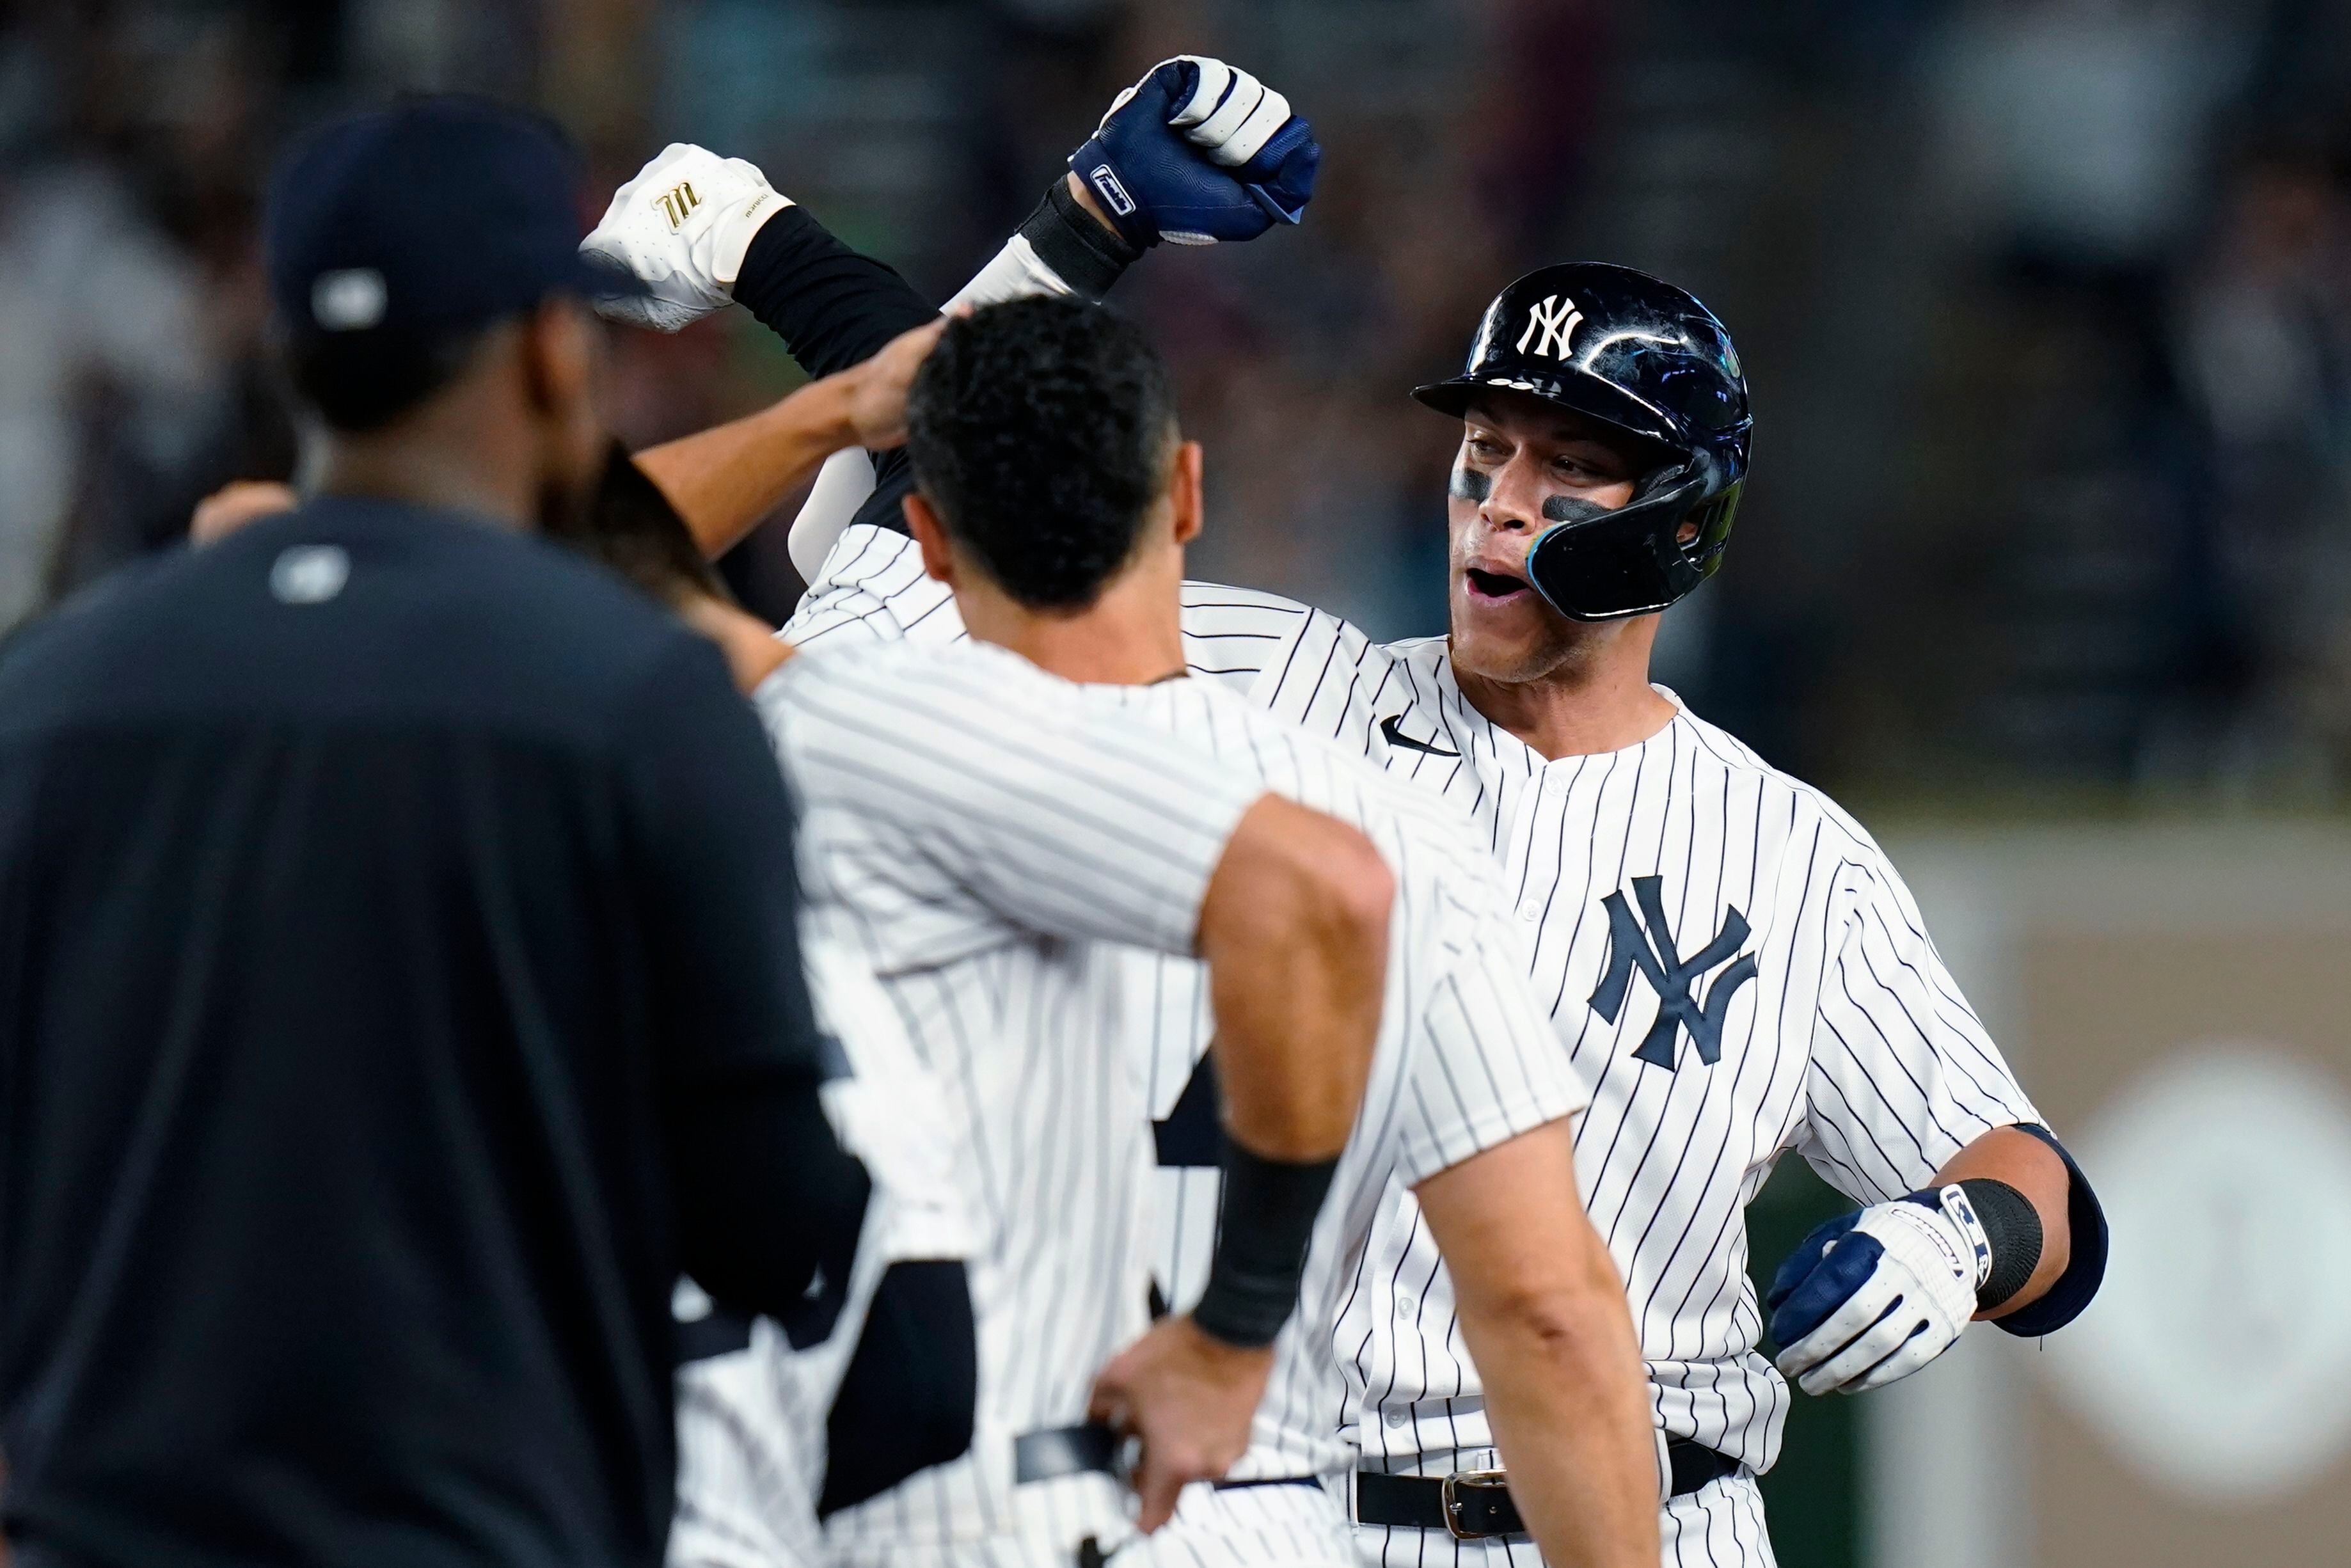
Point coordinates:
pixel 834 307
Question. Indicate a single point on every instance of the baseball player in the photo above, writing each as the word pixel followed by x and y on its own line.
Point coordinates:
pixel 975 855
pixel 1465 1062
pixel 1729 958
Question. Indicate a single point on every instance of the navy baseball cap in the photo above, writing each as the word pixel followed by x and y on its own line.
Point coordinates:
pixel 440 212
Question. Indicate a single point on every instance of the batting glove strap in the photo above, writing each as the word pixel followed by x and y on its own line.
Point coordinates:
pixel 1873 1297
pixel 2002 1227
pixel 1198 152
pixel 1087 257
pixel 681 228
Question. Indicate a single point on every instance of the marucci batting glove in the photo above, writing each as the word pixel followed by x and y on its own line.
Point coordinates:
pixel 1198 152
pixel 1873 1296
pixel 680 226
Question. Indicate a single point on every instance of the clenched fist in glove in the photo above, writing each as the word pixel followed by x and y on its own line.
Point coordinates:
pixel 1199 152
pixel 680 226
pixel 1874 1295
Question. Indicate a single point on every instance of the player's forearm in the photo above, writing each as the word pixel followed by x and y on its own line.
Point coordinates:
pixel 1543 1307
pixel 1294 931
pixel 724 480
pixel 2033 1169
pixel 833 307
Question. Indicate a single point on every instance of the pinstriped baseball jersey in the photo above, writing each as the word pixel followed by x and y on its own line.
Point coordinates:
pixel 1737 971
pixel 751 1421
pixel 1733 964
pixel 976 831
pixel 1465 1059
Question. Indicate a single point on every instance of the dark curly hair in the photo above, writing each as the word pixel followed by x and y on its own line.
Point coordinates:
pixel 1040 432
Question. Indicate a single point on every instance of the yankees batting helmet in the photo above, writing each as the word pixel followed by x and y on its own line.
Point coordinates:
pixel 1635 352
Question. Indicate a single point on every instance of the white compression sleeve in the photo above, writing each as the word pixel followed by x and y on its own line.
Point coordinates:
pixel 1016 272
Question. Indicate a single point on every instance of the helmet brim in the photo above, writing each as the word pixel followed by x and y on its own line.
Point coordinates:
pixel 1587 395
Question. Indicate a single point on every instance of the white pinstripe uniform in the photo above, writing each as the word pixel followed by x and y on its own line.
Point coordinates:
pixel 750 1422
pixel 977 833
pixel 1828 1026
pixel 1465 1061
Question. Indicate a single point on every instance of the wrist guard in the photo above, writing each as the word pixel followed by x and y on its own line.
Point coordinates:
pixel 1263 1228
pixel 2000 1224
pixel 1072 242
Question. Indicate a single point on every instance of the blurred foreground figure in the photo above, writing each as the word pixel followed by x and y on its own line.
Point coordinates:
pixel 397 945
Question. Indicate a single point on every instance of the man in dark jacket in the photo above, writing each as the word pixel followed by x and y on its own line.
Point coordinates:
pixel 398 986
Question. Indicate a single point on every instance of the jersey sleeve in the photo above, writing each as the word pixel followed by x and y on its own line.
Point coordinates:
pixel 1489 1065
pixel 960 791
pixel 873 589
pixel 1903 1074
pixel 1328 677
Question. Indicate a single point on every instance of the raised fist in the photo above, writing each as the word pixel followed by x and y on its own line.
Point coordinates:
pixel 680 227
pixel 1198 151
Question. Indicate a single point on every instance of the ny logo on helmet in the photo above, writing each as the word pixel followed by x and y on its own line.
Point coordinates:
pixel 1555 318
pixel 1674 977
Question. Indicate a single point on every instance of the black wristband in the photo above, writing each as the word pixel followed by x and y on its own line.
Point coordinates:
pixel 1262 1231
pixel 2013 1226
pixel 1074 243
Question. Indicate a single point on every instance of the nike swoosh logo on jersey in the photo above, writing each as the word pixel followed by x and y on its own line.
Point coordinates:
pixel 1391 727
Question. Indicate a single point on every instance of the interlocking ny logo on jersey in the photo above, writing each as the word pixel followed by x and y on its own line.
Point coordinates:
pixel 678 201
pixel 1554 319
pixel 1674 977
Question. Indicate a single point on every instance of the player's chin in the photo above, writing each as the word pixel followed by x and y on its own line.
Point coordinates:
pixel 1500 635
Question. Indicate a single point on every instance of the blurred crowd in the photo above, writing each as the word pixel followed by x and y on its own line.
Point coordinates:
pixel 2046 305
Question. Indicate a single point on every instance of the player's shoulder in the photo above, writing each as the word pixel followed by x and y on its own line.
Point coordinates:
pixel 872 587
pixel 346 609
pixel 1330 776
pixel 1777 792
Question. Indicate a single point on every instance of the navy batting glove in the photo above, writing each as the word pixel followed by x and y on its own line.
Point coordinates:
pixel 1804 1293
pixel 1196 152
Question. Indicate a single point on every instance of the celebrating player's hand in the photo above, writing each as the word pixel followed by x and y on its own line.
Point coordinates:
pixel 1198 152
pixel 1190 1398
pixel 680 227
pixel 877 389
pixel 1872 1296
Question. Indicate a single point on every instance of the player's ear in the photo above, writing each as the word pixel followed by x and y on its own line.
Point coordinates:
pixel 939 561
pixel 1185 492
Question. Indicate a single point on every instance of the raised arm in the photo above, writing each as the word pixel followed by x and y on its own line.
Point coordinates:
pixel 723 480
pixel 1194 152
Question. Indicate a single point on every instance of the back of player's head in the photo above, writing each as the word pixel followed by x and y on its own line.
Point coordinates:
pixel 631 527
pixel 1042 432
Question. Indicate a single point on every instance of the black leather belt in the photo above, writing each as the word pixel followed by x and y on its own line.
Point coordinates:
pixel 1058 1452
pixel 1470 1505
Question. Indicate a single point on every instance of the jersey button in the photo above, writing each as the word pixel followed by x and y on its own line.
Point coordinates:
pixel 1405 1304
pixel 1396 1418
pixel 1530 910
pixel 1554 783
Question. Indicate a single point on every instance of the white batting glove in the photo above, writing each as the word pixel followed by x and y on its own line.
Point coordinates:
pixel 680 226
pixel 1870 1298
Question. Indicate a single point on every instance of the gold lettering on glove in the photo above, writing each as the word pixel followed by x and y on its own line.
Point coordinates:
pixel 676 202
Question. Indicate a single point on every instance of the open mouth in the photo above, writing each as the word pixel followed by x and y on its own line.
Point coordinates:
pixel 1495 586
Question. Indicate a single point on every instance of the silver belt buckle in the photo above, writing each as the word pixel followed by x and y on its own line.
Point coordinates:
pixel 1450 1494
